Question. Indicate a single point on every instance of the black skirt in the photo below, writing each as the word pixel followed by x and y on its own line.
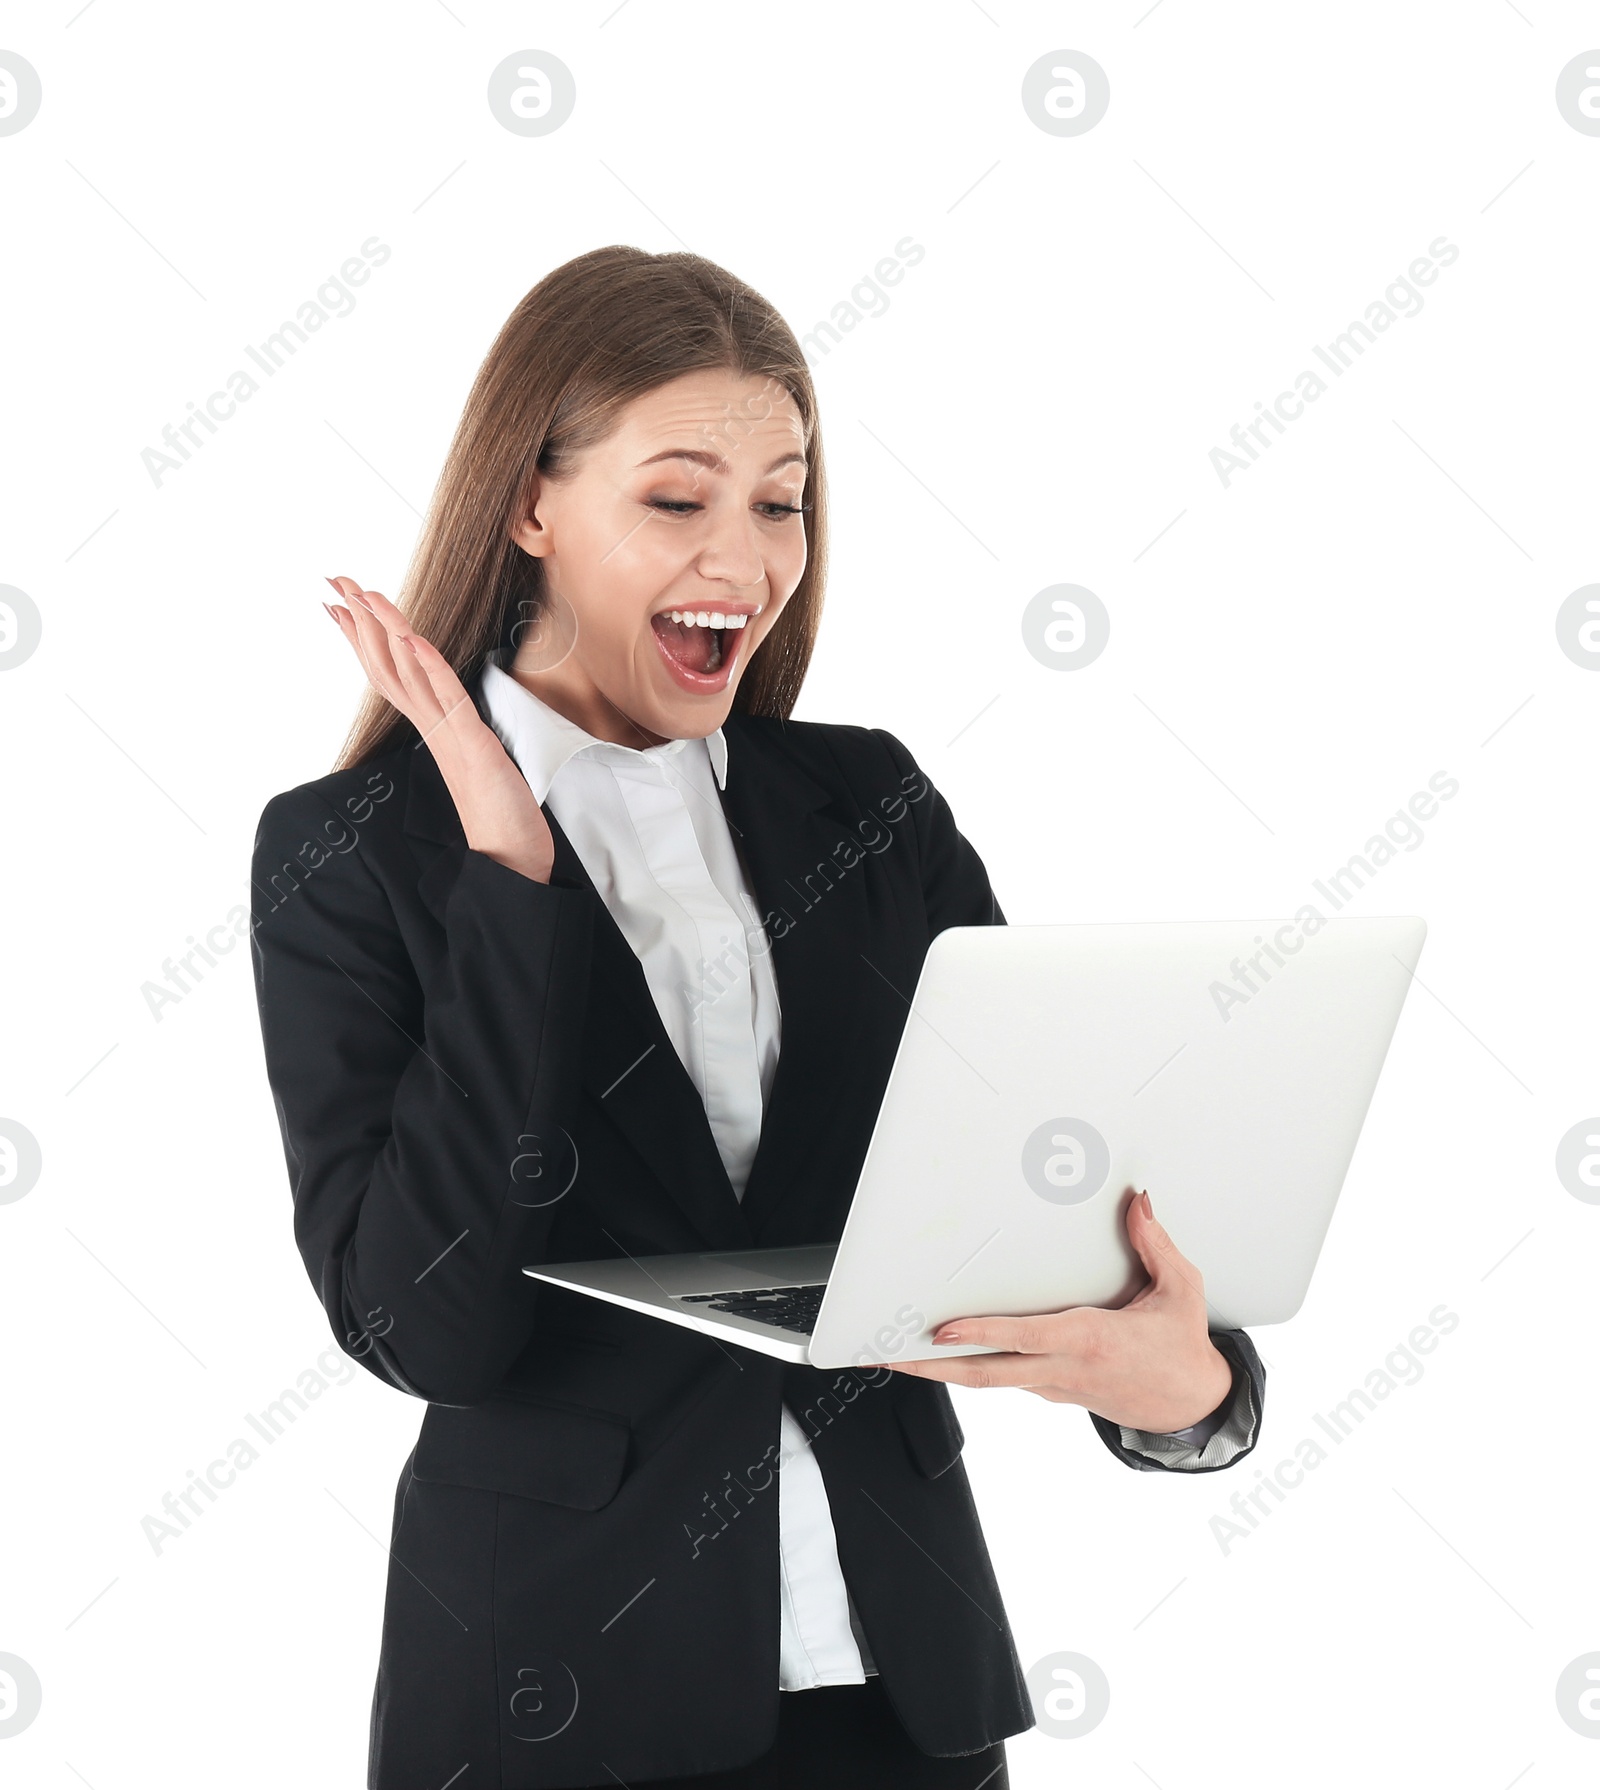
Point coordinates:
pixel 848 1737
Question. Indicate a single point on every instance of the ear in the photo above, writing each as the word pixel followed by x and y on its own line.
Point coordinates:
pixel 530 531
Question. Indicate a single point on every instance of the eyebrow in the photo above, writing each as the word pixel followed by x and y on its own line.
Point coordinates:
pixel 715 462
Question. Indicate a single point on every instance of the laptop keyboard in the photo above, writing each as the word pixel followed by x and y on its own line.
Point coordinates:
pixel 787 1308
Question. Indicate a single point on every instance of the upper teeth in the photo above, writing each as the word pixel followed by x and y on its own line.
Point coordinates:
pixel 708 618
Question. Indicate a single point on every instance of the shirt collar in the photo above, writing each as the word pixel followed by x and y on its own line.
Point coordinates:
pixel 541 741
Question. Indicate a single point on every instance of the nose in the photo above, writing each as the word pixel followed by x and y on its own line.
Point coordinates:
pixel 733 553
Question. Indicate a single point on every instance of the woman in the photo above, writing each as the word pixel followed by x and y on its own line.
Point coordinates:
pixel 580 952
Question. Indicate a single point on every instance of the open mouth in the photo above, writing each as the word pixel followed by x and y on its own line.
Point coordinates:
pixel 700 645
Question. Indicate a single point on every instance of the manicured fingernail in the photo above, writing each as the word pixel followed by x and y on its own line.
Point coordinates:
pixel 334 613
pixel 1149 1210
pixel 356 597
pixel 947 1336
pixel 411 642
pixel 335 583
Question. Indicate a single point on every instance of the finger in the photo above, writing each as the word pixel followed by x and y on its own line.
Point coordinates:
pixel 1045 1333
pixel 454 707
pixel 388 614
pixel 979 1370
pixel 372 642
pixel 424 705
pixel 424 710
pixel 378 668
pixel 1169 1269
pixel 344 619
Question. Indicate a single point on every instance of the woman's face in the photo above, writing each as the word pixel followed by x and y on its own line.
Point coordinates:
pixel 688 509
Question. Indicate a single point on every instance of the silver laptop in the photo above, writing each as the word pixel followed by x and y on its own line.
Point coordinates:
pixel 1046 1075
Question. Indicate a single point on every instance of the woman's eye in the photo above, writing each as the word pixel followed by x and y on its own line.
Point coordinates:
pixel 673 506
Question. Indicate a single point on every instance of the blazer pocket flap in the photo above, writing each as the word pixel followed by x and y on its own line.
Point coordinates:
pixel 550 1452
pixel 929 1424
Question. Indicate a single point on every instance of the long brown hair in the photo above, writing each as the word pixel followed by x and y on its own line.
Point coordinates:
pixel 594 334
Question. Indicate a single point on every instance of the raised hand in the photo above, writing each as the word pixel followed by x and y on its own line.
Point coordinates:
pixel 498 811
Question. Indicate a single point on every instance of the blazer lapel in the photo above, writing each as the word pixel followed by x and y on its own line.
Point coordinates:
pixel 805 867
pixel 630 1067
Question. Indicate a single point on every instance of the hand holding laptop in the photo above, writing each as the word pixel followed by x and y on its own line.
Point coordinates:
pixel 1150 1364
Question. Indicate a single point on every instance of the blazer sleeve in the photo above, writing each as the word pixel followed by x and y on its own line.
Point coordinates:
pixel 956 889
pixel 404 1109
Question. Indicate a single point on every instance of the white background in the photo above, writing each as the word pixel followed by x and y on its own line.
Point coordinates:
pixel 1293 657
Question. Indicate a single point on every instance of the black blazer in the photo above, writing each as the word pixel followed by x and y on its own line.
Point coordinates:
pixel 470 1076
